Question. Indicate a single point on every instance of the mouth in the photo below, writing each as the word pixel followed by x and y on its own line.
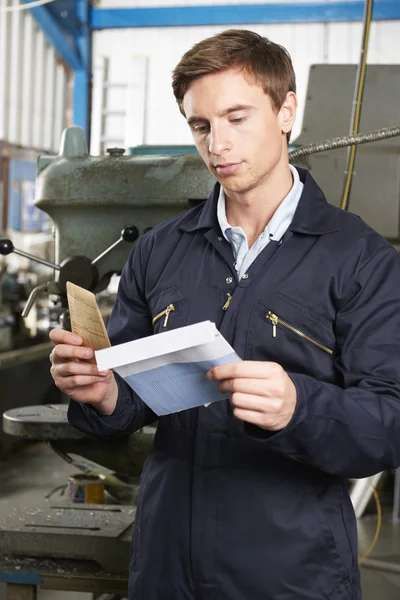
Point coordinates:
pixel 227 168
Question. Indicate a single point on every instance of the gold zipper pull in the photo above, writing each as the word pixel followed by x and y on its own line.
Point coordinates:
pixel 274 320
pixel 169 308
pixel 227 303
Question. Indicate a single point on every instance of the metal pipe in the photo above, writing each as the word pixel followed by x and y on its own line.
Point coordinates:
pixel 96 260
pixel 37 259
pixel 340 142
pixel 382 565
pixel 357 103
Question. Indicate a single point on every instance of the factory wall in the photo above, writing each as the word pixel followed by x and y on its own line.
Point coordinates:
pixel 155 51
pixel 33 83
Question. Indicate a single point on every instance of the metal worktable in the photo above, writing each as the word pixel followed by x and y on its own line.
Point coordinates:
pixel 23 576
pixel 59 544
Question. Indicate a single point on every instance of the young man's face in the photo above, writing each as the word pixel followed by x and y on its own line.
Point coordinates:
pixel 237 132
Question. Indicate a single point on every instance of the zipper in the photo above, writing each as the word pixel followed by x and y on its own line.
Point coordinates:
pixel 275 320
pixel 227 303
pixel 165 313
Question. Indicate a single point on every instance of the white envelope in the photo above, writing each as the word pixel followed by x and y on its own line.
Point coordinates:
pixel 168 370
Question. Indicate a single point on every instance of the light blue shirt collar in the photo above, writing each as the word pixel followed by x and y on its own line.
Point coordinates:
pixel 275 229
pixel 281 218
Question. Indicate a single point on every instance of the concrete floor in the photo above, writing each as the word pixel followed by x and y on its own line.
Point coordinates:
pixel 35 471
pixel 377 584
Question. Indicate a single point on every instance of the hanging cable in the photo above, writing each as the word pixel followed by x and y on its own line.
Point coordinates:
pixel 357 102
pixel 378 524
pixel 25 6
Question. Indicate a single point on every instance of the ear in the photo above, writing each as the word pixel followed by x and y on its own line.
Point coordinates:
pixel 287 113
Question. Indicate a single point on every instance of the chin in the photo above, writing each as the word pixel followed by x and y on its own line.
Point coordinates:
pixel 237 187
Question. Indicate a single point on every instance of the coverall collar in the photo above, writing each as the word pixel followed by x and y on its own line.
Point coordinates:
pixel 314 216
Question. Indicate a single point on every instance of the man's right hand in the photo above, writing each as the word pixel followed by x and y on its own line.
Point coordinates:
pixel 75 373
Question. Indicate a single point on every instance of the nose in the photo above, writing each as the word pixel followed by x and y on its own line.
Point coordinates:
pixel 218 141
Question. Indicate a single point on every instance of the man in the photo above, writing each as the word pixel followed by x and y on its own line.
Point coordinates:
pixel 247 499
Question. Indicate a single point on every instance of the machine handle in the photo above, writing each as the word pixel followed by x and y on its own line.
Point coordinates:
pixel 6 247
pixel 130 233
pixel 32 297
pixel 69 267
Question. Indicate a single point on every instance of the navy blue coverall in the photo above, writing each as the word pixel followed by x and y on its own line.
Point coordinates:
pixel 227 510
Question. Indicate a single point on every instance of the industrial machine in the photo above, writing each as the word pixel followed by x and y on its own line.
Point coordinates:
pixel 99 207
pixel 96 203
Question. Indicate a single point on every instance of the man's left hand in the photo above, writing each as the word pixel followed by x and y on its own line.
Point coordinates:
pixel 262 393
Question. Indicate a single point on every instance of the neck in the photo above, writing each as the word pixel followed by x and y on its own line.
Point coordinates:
pixel 253 209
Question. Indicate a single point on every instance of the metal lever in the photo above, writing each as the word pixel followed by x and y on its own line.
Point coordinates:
pixel 6 247
pixel 130 233
pixel 77 269
pixel 32 297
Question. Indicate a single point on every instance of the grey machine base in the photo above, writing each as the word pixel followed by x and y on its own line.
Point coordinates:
pixel 93 532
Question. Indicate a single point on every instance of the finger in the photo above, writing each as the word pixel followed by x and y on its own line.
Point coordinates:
pixel 268 422
pixel 244 369
pixel 255 403
pixel 250 416
pixel 87 394
pixel 71 385
pixel 60 336
pixel 67 369
pixel 63 352
pixel 259 387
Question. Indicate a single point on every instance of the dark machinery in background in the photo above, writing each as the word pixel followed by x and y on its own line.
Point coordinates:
pixel 93 200
pixel 99 207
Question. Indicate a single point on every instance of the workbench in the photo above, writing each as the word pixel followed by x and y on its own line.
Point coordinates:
pixel 23 576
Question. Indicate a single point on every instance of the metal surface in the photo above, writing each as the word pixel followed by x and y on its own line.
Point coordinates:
pixel 49 423
pixel 342 142
pixel 5 70
pixel 188 16
pixel 16 83
pixel 101 195
pixel 375 194
pixel 22 213
pixel 125 455
pixel 29 113
pixel 62 574
pixel 82 76
pixel 396 496
pixel 389 563
pixel 100 533
pixel 40 423
pixel 25 380
pixel 62 38
pixel 19 591
pixel 16 358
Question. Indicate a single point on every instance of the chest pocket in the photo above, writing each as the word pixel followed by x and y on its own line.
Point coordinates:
pixel 169 310
pixel 299 340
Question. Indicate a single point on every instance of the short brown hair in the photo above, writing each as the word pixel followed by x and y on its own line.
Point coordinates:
pixel 269 63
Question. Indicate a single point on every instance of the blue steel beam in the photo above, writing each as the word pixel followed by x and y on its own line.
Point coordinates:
pixel 82 80
pixel 238 14
pixel 63 42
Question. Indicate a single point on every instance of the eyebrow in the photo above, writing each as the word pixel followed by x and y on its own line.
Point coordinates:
pixel 224 113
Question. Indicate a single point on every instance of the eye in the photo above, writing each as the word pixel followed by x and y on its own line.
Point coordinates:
pixel 238 120
pixel 201 128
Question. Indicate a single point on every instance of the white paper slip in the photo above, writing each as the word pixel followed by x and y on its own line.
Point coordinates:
pixel 168 370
